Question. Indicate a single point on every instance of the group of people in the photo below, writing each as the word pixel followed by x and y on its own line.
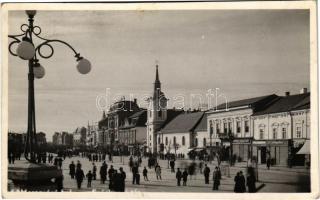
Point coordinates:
pixel 116 179
pixel 241 182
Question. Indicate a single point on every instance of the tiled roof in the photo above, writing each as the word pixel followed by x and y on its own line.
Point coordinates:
pixel 246 102
pixel 286 103
pixel 202 126
pixel 171 114
pixel 183 123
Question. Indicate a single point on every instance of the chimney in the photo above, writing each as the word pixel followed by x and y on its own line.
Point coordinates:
pixel 303 91
pixel 135 100
pixel 287 94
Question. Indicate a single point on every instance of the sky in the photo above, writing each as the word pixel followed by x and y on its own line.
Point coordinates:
pixel 244 53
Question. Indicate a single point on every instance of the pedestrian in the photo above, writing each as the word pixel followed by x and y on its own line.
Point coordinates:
pixel 268 163
pixel 89 177
pixel 72 169
pixel 178 176
pixel 145 174
pixel 59 183
pixel 78 164
pixel 216 178
pixel 158 171
pixel 116 179
pixel 191 169
pixel 172 164
pixel 135 171
pixel 206 173
pixel 94 171
pixel 79 176
pixel 242 182
pixel 60 162
pixel 251 182
pixel 201 166
pixel 185 177
pixel 122 178
pixel 103 172
pixel 111 172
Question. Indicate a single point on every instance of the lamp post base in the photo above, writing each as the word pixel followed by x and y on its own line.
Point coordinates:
pixel 34 177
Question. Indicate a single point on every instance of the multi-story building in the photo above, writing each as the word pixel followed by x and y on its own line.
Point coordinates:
pixel 230 124
pixel 63 138
pixel 92 136
pixel 79 136
pixel 282 128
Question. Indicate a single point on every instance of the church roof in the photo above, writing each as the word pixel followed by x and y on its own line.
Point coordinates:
pixel 183 123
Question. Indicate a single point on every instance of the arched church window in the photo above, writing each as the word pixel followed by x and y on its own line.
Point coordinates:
pixel 183 140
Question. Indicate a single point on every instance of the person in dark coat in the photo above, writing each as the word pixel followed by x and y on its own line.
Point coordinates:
pixel 251 183
pixel 172 164
pixel 135 171
pixel 72 170
pixel 111 181
pixel 185 177
pixel 116 179
pixel 94 171
pixel 145 174
pixel 60 162
pixel 103 172
pixel 239 180
pixel 178 176
pixel 268 163
pixel 216 178
pixel 123 179
pixel 242 182
pixel 79 177
pixel 89 177
pixel 59 183
pixel 206 173
pixel 78 164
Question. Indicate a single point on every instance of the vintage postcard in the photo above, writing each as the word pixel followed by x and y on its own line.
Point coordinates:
pixel 160 100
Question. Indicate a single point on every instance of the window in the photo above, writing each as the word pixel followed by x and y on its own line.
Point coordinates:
pixel 211 128
pixel 225 128
pixel 284 133
pixel 298 132
pixel 238 127
pixel 166 141
pixel 183 140
pixel 196 142
pixel 246 126
pixel 204 142
pixel 261 134
pixel 158 140
pixel 274 133
pixel 174 140
pixel 218 128
pixel 230 126
pixel 150 137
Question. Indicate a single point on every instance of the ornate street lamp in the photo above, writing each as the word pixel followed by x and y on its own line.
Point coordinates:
pixel 27 50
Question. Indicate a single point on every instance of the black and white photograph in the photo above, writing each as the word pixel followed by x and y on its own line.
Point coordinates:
pixel 160 98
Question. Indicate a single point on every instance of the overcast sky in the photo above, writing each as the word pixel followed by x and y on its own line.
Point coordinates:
pixel 244 53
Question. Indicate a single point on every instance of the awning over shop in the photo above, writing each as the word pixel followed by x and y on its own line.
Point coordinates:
pixel 305 149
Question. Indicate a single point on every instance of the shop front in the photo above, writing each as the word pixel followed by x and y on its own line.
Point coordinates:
pixel 259 151
pixel 279 151
pixel 241 148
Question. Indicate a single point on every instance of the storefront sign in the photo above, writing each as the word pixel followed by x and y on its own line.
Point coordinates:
pixel 277 142
pixel 241 141
pixel 259 142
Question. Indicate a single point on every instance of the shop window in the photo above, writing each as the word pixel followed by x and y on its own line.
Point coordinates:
pixel 284 133
pixel 298 132
pixel 183 140
pixel 246 126
pixel 204 142
pixel 274 133
pixel 166 140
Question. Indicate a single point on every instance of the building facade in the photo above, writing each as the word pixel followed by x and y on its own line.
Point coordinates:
pixel 79 137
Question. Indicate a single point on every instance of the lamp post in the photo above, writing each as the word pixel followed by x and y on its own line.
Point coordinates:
pixel 231 137
pixel 27 50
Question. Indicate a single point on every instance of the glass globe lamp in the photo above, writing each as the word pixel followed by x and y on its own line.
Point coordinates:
pixel 38 71
pixel 25 50
pixel 84 66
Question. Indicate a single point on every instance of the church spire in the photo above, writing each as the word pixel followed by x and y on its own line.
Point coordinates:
pixel 157 84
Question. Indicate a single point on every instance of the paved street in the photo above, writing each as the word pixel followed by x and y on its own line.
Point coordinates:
pixel 274 180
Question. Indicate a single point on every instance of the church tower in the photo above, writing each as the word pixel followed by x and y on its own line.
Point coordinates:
pixel 157 114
